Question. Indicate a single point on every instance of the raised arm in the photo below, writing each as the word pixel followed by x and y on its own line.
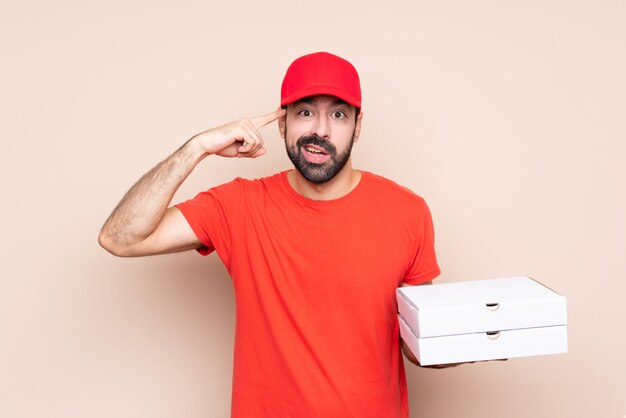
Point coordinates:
pixel 142 224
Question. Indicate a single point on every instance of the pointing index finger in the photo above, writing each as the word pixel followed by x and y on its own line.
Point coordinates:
pixel 261 121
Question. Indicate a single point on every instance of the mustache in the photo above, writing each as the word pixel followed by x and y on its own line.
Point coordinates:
pixel 317 141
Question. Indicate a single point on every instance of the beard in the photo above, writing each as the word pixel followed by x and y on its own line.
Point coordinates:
pixel 313 172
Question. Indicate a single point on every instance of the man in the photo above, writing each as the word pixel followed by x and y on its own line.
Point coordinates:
pixel 315 253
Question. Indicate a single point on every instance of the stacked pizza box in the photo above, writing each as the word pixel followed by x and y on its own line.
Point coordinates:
pixel 482 320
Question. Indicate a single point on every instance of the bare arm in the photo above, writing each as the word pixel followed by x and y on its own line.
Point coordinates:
pixel 130 229
pixel 142 223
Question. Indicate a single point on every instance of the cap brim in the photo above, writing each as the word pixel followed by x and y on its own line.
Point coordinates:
pixel 317 90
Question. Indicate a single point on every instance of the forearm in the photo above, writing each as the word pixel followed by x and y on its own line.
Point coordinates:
pixel 141 209
pixel 141 224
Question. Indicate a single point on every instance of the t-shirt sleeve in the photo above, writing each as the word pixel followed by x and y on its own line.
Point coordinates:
pixel 212 215
pixel 424 266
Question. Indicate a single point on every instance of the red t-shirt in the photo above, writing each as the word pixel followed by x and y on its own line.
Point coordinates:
pixel 317 331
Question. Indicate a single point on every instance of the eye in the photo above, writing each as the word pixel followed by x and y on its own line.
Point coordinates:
pixel 339 114
pixel 305 112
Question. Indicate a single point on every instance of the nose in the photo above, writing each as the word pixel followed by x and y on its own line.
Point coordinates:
pixel 321 127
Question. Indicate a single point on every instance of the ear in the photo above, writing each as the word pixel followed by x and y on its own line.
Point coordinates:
pixel 281 124
pixel 357 126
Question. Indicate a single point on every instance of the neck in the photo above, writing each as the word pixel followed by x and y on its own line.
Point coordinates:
pixel 340 185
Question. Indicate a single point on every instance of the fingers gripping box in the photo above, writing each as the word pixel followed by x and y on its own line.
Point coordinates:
pixel 482 320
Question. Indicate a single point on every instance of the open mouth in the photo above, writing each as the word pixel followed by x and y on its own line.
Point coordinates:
pixel 314 154
pixel 314 150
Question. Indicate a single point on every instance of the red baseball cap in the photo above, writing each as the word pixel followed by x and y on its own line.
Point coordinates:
pixel 321 73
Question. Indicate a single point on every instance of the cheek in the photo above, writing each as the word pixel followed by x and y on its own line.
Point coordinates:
pixel 344 133
pixel 290 137
pixel 295 130
pixel 298 124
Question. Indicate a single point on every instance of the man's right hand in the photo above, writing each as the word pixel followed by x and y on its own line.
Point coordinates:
pixel 240 138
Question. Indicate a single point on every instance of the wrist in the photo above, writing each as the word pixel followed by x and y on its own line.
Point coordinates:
pixel 196 149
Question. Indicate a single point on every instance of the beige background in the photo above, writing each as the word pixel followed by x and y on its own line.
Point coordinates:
pixel 507 116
